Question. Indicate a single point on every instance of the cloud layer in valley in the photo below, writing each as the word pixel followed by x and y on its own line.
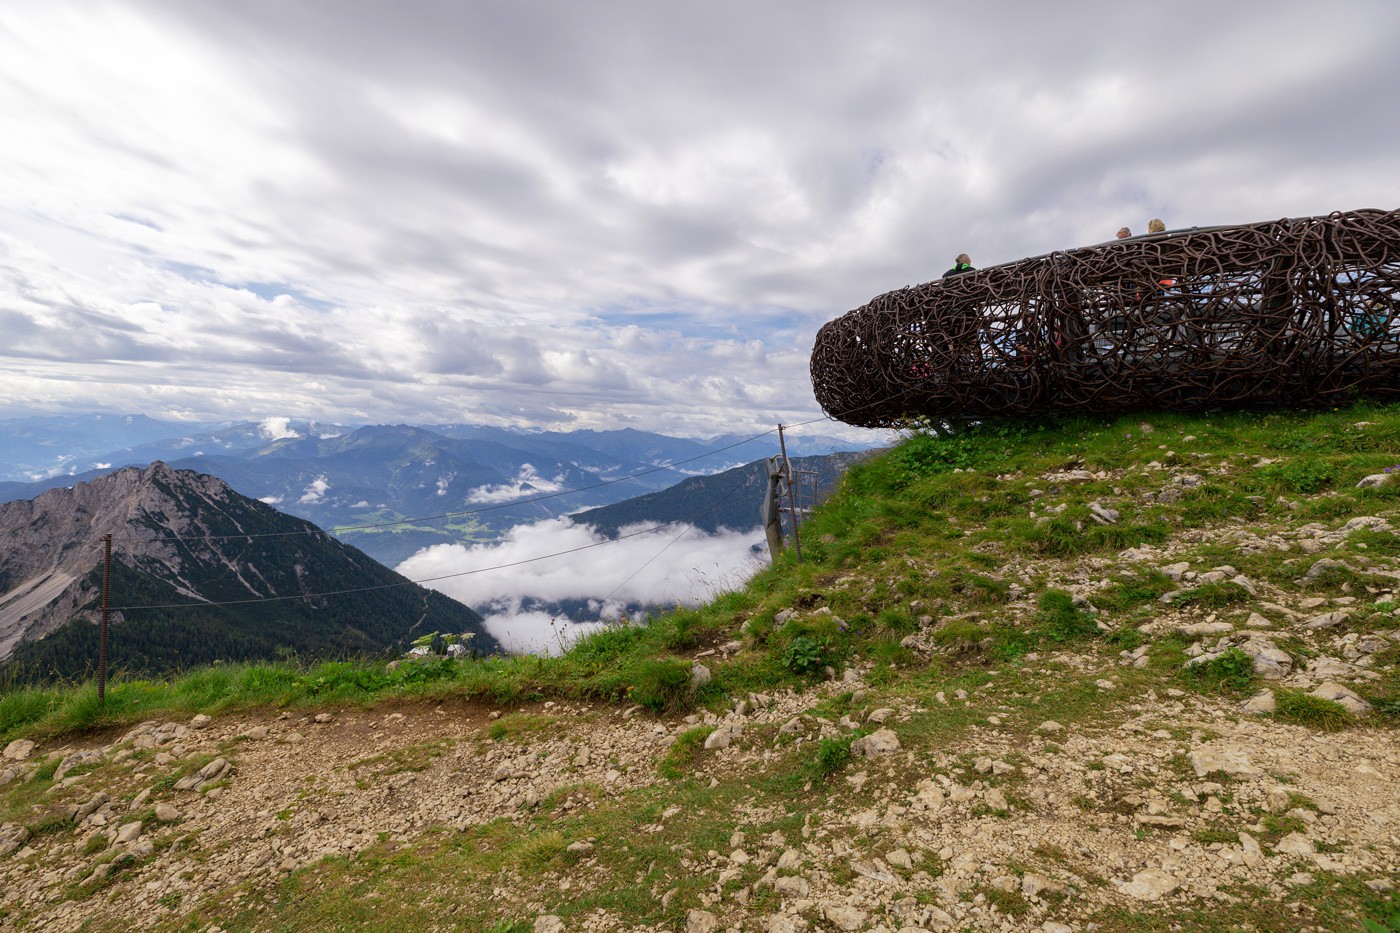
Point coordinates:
pixel 669 566
pixel 601 215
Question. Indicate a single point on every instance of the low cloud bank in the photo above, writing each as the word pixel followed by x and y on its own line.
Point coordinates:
pixel 692 570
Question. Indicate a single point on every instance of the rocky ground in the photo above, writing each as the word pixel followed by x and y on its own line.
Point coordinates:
pixel 1088 787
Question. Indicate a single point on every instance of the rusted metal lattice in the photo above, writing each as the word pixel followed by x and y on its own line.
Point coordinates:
pixel 1295 312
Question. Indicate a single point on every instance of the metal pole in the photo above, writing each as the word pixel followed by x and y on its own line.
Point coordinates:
pixel 102 628
pixel 792 503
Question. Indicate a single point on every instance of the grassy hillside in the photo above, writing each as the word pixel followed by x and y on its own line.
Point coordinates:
pixel 1017 604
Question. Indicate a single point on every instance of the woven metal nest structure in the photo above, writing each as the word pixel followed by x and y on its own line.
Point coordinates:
pixel 1296 312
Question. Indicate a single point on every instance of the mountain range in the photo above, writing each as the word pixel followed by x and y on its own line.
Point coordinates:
pixel 362 483
pixel 199 573
pixel 730 499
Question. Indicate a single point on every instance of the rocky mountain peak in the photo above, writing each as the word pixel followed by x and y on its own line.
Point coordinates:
pixel 188 536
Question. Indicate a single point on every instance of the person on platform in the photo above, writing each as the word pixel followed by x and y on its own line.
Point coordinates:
pixel 960 265
pixel 1155 225
pixel 1123 233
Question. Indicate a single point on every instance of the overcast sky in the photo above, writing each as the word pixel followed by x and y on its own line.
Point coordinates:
pixel 570 214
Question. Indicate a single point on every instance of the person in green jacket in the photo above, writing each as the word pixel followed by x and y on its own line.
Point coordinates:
pixel 960 265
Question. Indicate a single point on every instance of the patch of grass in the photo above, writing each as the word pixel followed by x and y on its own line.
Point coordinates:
pixel 1213 595
pixel 46 771
pixel 831 756
pixel 684 751
pixel 1060 620
pixel 1211 835
pixel 1011 903
pixel 1298 707
pixel 1303 477
pixel 661 685
pixel 1231 672
pixel 1142 588
pixel 519 726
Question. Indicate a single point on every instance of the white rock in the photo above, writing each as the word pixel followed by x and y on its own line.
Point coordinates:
pixel 723 736
pixel 1295 844
pixel 19 749
pixel 1220 757
pixel 790 860
pixel 1033 885
pixel 1327 620
pixel 1338 694
pixel 1253 856
pixel 1150 884
pixel 1261 703
pixel 1374 480
pixel 701 921
pixel 549 923
pixel 845 917
pixel 792 886
pixel 880 742
pixel 1270 661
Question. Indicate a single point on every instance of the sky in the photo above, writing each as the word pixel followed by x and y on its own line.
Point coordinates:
pixel 616 214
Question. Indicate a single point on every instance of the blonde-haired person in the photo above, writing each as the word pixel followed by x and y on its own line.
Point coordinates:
pixel 1155 225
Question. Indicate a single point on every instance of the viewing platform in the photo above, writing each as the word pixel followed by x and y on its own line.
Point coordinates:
pixel 1301 312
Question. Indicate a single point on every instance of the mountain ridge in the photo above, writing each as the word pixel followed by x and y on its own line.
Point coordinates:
pixel 185 542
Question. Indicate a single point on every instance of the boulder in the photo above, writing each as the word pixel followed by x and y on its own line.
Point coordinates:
pixel 1331 690
pixel 19 749
pixel 1224 758
pixel 1150 884
pixel 882 741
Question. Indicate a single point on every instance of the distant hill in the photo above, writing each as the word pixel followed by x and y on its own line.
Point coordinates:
pixel 185 539
pixel 740 489
pixel 35 447
pixel 358 482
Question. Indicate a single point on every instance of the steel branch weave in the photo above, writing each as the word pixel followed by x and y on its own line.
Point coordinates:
pixel 1296 312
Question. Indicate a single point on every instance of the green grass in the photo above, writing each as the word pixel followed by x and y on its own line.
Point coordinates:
pixel 684 752
pixel 1298 707
pixel 1232 673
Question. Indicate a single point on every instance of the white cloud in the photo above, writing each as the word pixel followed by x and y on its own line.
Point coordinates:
pixel 276 428
pixel 528 482
pixel 648 568
pixel 315 491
